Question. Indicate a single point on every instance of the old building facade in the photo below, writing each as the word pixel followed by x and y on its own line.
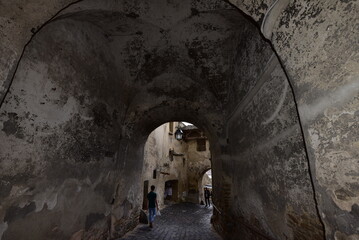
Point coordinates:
pixel 178 165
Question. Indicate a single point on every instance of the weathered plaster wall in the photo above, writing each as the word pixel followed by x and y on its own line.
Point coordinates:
pixel 328 107
pixel 271 167
pixel 317 44
pixel 157 157
pixel 60 139
pixel 19 21
pixel 265 188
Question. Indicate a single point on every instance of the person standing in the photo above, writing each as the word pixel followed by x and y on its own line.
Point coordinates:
pixel 207 194
pixel 169 193
pixel 152 205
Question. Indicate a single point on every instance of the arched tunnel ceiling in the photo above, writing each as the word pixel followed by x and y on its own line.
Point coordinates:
pixel 152 59
pixel 198 43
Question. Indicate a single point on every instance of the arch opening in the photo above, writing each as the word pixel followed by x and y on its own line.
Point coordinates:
pixel 70 115
pixel 178 164
pixel 206 183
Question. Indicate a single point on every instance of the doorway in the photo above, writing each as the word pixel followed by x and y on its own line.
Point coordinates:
pixel 171 192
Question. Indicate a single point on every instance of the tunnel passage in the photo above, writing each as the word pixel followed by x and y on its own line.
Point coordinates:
pixel 89 90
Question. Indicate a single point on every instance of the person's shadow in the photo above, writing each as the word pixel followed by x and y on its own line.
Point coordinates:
pixel 144 228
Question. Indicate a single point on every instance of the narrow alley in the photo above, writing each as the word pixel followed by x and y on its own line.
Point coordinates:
pixel 180 221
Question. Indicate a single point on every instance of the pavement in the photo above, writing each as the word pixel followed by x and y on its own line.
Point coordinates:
pixel 178 222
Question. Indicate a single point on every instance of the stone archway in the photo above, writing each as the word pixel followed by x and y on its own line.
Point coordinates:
pixel 201 185
pixel 320 73
pixel 198 167
pixel 325 90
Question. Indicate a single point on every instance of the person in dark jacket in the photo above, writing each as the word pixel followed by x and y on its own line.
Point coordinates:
pixel 152 205
pixel 207 194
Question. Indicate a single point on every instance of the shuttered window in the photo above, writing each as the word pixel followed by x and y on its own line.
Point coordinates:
pixel 201 145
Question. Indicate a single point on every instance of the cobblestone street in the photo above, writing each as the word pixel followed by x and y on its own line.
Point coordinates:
pixel 178 222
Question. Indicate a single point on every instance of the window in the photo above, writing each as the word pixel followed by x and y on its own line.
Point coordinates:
pixel 170 130
pixel 201 145
pixel 170 155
